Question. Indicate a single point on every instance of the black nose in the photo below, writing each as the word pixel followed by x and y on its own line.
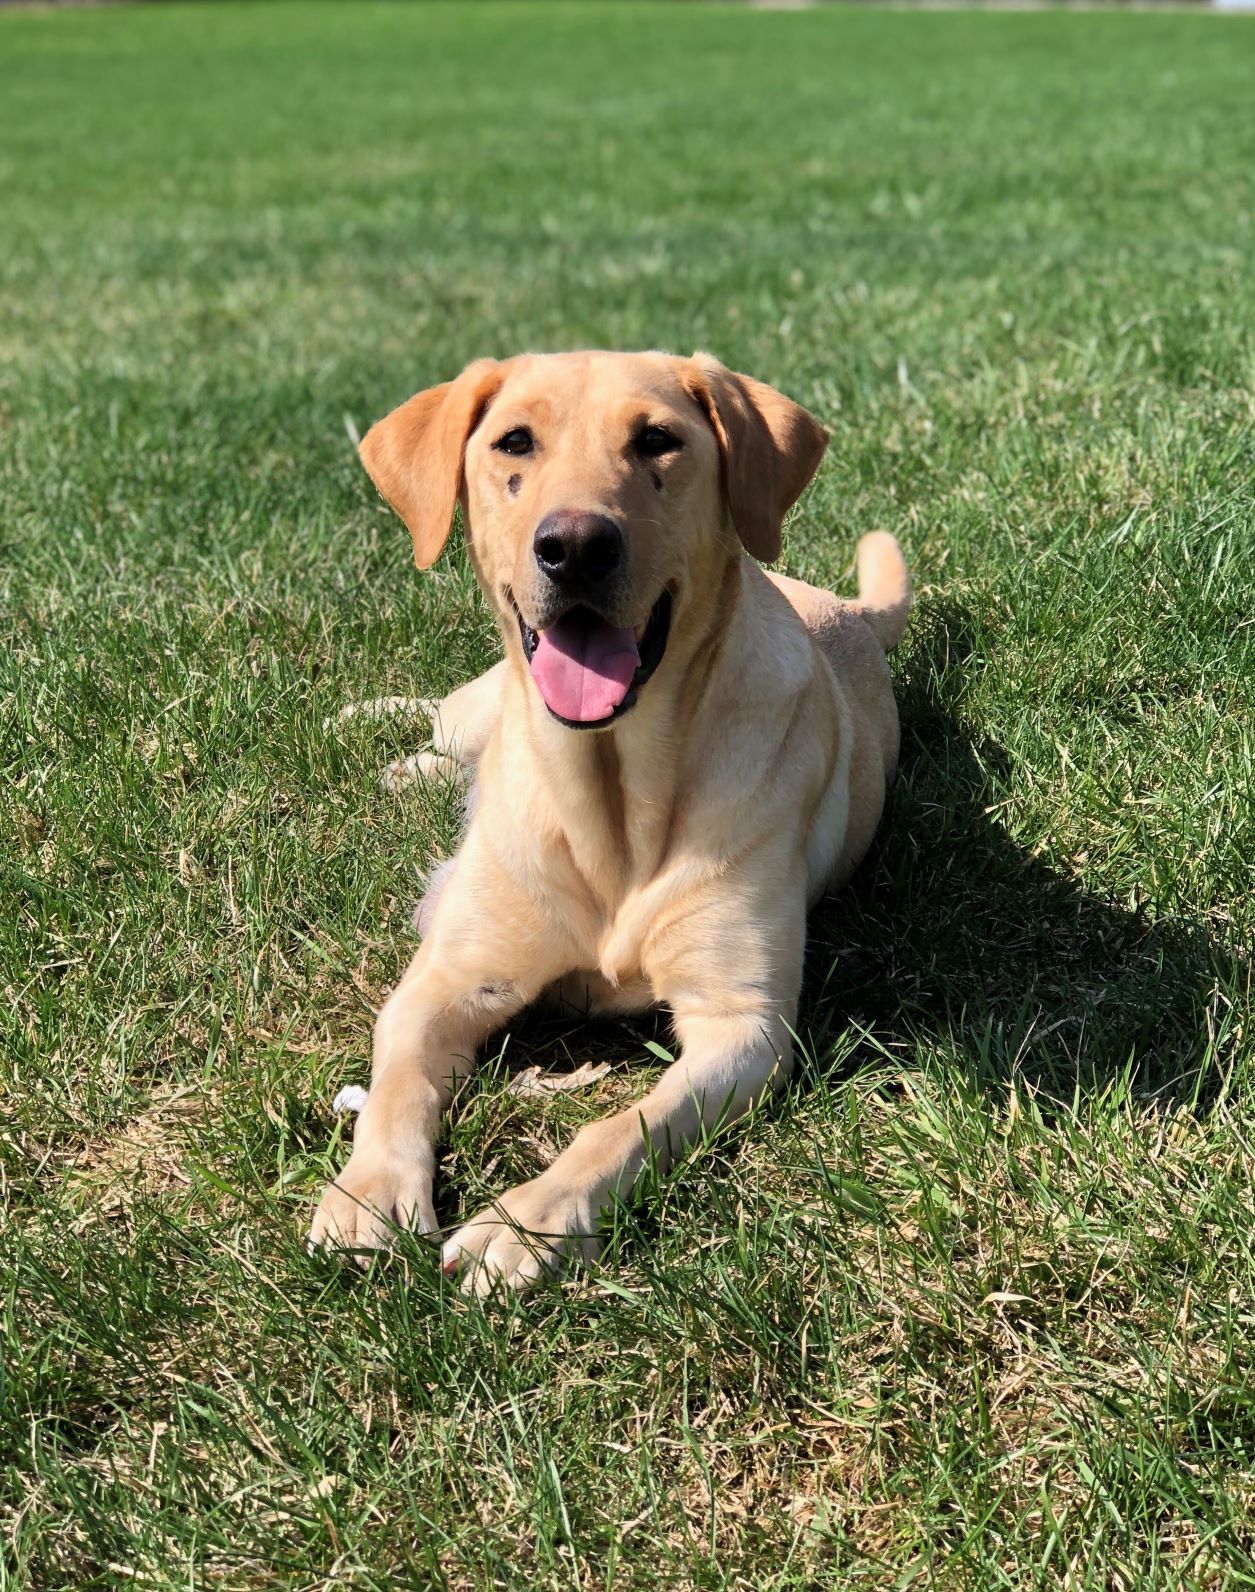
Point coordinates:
pixel 573 548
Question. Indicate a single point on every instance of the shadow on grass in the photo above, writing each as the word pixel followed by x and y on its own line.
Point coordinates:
pixel 953 936
pixel 954 942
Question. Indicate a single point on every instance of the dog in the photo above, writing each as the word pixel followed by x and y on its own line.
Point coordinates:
pixel 677 756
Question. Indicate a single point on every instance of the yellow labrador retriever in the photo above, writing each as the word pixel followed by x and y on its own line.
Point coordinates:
pixel 678 754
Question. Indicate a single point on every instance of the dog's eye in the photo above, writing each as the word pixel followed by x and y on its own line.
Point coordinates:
pixel 654 441
pixel 515 442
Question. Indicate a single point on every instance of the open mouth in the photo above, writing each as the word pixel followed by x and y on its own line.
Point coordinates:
pixel 588 671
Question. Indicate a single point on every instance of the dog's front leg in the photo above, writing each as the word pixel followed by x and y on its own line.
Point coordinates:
pixel 727 1062
pixel 469 978
pixel 735 1046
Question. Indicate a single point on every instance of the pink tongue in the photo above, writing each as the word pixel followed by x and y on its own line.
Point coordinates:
pixel 583 667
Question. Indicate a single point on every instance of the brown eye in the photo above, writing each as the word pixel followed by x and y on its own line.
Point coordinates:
pixel 654 441
pixel 516 442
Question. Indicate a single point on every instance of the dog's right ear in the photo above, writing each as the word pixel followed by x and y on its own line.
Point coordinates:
pixel 414 455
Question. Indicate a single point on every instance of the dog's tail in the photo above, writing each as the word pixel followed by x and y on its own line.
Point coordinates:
pixel 884 587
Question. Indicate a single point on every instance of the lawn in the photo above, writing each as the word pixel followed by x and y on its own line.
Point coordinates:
pixel 973 1306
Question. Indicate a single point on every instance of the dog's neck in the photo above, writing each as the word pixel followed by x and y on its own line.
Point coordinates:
pixel 627 782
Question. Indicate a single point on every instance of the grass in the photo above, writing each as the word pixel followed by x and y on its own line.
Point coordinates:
pixel 974 1307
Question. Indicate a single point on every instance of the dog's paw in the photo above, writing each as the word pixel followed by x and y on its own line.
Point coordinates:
pixel 527 1232
pixel 373 1197
pixel 407 771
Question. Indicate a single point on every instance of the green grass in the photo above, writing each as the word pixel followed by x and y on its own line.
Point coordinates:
pixel 974 1306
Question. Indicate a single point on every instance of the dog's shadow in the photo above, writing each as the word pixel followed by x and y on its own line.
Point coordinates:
pixel 956 943
pixel 956 938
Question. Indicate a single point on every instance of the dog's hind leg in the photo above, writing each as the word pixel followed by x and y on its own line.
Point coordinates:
pixel 461 725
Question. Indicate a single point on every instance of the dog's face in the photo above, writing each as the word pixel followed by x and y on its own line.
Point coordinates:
pixel 603 494
pixel 593 495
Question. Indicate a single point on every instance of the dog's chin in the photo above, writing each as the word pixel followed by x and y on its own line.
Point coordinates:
pixel 650 641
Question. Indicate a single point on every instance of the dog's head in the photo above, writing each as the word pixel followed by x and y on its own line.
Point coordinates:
pixel 603 495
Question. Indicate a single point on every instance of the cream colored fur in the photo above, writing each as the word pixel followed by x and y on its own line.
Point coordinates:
pixel 669 858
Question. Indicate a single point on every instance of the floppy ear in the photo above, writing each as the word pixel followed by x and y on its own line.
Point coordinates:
pixel 414 455
pixel 770 448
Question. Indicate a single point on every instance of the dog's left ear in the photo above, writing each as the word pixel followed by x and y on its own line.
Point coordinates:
pixel 414 455
pixel 770 446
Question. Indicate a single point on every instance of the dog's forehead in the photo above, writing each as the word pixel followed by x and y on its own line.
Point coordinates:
pixel 566 386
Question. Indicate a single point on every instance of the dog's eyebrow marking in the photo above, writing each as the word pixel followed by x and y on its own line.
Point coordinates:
pixel 513 485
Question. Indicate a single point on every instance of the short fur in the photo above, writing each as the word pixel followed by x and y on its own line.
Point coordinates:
pixel 667 859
